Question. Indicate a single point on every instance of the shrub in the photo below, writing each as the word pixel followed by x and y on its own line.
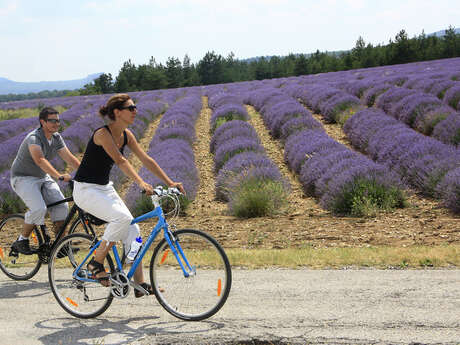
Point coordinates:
pixel 257 197
pixel 366 197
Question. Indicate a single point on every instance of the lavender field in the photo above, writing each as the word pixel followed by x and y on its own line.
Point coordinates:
pixel 401 124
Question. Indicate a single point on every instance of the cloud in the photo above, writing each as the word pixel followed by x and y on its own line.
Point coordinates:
pixel 9 9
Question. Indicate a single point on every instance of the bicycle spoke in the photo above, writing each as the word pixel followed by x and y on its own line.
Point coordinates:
pixel 14 264
pixel 80 296
pixel 203 290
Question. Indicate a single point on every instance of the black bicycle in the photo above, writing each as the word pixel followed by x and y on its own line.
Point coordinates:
pixel 19 266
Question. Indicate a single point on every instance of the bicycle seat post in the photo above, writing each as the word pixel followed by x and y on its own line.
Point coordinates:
pixel 44 231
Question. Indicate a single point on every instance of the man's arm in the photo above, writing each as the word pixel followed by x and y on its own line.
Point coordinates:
pixel 44 164
pixel 69 158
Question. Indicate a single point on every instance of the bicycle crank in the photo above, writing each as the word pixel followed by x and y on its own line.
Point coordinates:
pixel 120 285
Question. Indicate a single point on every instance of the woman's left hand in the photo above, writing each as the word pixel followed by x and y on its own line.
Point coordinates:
pixel 179 186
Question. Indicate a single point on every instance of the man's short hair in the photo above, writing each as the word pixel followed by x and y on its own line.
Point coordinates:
pixel 45 112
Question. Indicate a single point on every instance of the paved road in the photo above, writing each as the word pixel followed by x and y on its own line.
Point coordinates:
pixel 272 306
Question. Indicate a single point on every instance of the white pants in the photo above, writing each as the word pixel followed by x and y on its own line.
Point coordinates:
pixel 37 193
pixel 104 202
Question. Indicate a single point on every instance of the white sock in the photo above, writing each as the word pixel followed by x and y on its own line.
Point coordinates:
pixel 22 238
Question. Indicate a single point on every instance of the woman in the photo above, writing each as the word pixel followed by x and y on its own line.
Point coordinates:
pixel 94 193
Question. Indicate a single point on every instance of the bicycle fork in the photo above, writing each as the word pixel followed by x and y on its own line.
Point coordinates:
pixel 176 249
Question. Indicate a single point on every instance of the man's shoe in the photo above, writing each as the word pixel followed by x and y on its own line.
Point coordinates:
pixel 22 246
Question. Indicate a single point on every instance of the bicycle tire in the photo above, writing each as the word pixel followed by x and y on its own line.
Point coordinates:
pixel 15 265
pixel 201 295
pixel 75 296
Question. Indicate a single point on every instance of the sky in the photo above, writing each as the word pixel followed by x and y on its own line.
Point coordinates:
pixel 44 40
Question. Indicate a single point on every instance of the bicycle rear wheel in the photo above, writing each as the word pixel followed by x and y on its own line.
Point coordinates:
pixel 80 296
pixel 205 290
pixel 15 265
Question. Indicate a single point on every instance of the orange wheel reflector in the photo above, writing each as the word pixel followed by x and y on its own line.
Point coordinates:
pixel 165 254
pixel 1 253
pixel 34 238
pixel 219 287
pixel 86 222
pixel 75 304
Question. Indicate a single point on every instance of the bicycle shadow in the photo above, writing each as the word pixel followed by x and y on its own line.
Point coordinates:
pixel 23 289
pixel 123 331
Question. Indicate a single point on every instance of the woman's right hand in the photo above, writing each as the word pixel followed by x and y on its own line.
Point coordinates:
pixel 147 188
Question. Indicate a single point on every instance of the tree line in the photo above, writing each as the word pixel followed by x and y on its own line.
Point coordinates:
pixel 35 95
pixel 214 68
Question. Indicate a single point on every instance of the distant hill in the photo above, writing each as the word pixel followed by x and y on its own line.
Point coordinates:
pixel 8 86
pixel 442 32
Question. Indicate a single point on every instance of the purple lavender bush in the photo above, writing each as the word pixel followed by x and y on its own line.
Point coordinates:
pixel 278 114
pixel 439 89
pixel 452 96
pixel 236 165
pixel 371 94
pixel 230 130
pixel 410 107
pixel 297 124
pixel 173 152
pixel 425 123
pixel 228 112
pixel 393 95
pixel 449 189
pixel 448 130
pixel 233 147
pixel 344 181
pixel 9 201
pixel 420 161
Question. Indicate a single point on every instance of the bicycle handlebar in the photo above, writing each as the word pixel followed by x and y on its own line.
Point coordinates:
pixel 159 192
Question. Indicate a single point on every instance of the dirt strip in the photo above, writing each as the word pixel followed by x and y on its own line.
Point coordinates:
pixel 298 202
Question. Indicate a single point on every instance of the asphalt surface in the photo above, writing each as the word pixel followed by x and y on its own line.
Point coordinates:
pixel 265 307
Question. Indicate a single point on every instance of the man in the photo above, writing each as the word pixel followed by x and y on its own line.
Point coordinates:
pixel 32 173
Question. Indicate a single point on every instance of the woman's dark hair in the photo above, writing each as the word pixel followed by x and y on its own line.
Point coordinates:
pixel 45 112
pixel 114 102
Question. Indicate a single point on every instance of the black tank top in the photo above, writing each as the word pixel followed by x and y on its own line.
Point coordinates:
pixel 96 163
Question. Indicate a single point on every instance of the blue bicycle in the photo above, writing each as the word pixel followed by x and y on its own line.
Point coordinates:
pixel 189 271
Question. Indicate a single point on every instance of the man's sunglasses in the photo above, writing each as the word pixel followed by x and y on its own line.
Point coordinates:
pixel 53 121
pixel 131 108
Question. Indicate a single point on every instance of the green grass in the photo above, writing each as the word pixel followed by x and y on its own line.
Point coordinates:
pixel 9 114
pixel 383 257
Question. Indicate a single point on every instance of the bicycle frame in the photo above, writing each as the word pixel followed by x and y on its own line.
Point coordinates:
pixel 187 269
pixel 75 209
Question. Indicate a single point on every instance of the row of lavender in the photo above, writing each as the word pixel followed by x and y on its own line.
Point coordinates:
pixel 245 177
pixel 425 96
pixel 426 164
pixel 171 147
pixel 79 122
pixel 344 181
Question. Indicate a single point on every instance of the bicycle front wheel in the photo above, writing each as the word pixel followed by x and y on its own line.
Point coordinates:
pixel 204 291
pixel 15 265
pixel 80 296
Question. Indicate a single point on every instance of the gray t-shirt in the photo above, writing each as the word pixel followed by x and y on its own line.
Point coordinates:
pixel 24 165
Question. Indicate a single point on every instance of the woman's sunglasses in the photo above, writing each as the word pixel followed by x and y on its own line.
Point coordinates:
pixel 131 108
